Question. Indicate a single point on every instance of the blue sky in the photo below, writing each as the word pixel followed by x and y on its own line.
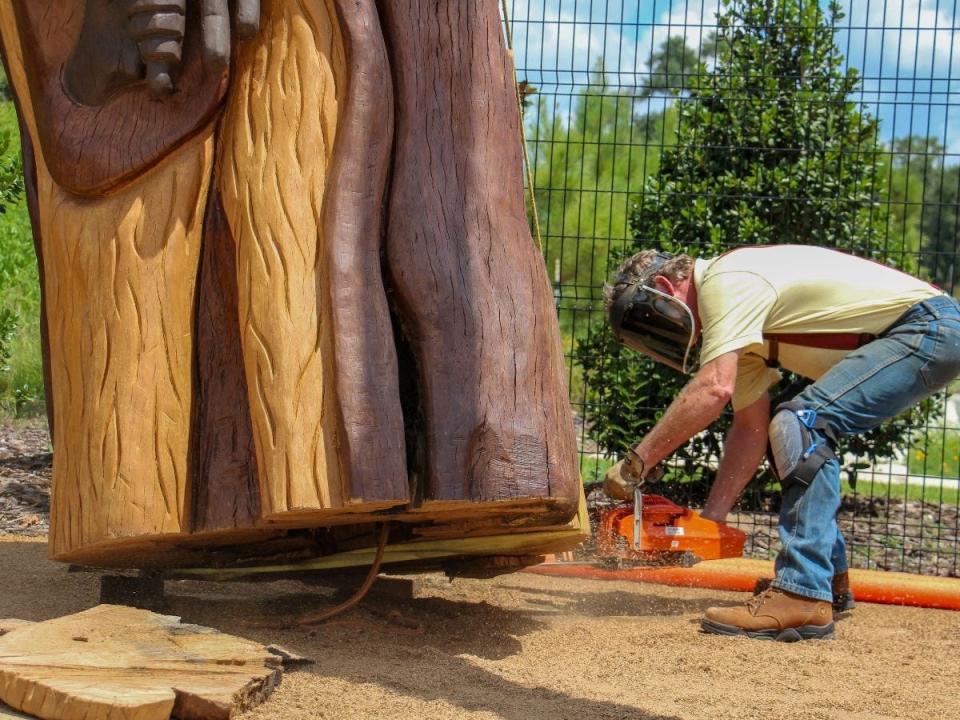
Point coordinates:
pixel 908 51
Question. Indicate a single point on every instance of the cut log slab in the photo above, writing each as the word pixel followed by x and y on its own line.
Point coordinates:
pixel 127 664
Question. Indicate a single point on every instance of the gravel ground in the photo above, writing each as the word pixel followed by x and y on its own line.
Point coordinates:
pixel 526 647
pixel 25 466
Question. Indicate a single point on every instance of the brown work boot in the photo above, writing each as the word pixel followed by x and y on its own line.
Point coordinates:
pixel 842 596
pixel 773 615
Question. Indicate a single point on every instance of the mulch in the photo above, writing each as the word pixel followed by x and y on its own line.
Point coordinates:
pixel 26 464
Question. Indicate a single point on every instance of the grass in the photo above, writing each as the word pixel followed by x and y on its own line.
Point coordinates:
pixel 900 491
pixel 592 469
pixel 21 378
pixel 938 456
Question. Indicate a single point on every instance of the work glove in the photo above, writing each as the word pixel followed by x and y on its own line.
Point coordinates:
pixel 623 478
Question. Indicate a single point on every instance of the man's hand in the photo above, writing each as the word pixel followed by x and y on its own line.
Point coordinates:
pixel 622 479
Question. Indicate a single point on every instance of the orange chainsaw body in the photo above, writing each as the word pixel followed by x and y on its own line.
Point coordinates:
pixel 667 532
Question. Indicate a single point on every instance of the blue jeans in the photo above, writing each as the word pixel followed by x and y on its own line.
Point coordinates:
pixel 912 360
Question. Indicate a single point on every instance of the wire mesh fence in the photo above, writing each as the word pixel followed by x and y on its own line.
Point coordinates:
pixel 702 125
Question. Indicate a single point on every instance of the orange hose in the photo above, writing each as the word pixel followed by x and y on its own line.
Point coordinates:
pixel 740 574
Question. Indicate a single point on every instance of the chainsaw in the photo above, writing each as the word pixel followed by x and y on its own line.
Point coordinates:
pixel 651 530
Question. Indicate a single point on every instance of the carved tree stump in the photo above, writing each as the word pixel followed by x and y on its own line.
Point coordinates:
pixel 228 274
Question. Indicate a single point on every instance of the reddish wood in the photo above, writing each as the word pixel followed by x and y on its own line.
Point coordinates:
pixel 470 284
pixel 365 361
pixel 92 150
pixel 225 488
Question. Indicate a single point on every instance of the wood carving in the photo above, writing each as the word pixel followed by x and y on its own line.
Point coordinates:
pixel 124 663
pixel 288 281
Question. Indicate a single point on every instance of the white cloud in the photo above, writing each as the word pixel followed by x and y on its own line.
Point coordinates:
pixel 899 46
pixel 909 37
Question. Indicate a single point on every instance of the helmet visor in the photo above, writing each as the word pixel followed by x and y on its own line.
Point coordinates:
pixel 656 324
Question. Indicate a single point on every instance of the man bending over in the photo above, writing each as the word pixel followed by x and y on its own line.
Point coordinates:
pixel 875 341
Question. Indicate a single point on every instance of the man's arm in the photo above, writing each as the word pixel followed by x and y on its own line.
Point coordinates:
pixel 742 452
pixel 699 403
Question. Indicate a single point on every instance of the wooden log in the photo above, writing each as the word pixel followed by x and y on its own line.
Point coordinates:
pixel 278 136
pixel 471 287
pixel 370 421
pixel 119 278
pixel 123 663
pixel 223 366
pixel 226 492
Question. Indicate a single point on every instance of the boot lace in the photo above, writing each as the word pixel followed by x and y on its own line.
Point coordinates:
pixel 755 602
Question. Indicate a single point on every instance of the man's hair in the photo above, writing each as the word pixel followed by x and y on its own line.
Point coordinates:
pixel 676 269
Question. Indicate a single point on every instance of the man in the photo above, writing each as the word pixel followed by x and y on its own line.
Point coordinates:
pixel 875 341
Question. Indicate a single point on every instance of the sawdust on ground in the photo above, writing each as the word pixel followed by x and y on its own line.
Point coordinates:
pixel 526 647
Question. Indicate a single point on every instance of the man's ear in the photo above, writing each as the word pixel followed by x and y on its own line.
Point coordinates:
pixel 663 284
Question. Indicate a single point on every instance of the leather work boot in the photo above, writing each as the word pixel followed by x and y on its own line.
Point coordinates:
pixel 842 596
pixel 773 615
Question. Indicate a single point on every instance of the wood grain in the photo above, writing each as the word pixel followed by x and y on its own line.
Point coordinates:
pixel 127 664
pixel 96 150
pixel 226 492
pixel 119 287
pixel 370 427
pixel 472 289
pixel 278 137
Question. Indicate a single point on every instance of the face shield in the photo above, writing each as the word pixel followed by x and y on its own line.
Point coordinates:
pixel 655 323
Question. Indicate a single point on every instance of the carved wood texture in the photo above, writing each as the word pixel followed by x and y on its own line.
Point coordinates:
pixel 472 288
pixel 224 363
pixel 225 486
pixel 94 150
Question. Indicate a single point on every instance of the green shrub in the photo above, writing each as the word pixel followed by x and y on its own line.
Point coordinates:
pixel 21 376
pixel 769 150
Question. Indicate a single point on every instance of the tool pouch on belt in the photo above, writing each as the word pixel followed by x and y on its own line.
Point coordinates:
pixel 795 452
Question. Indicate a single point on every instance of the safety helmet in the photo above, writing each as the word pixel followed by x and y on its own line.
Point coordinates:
pixel 655 323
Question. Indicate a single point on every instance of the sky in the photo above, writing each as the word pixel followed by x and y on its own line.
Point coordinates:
pixel 908 51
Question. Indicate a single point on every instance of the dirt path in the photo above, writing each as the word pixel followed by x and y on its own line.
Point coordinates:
pixel 525 647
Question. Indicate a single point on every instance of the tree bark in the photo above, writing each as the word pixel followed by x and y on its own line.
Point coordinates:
pixel 471 288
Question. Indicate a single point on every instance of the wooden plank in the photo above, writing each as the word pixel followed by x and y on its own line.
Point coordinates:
pixel 536 542
pixel 370 429
pixel 277 137
pixel 10 624
pixel 128 664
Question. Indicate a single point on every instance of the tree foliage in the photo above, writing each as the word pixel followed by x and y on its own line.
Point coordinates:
pixel 770 149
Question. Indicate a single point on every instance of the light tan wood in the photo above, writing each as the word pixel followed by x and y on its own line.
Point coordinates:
pixel 277 139
pixel 120 663
pixel 119 277
pixel 532 541
pixel 11 624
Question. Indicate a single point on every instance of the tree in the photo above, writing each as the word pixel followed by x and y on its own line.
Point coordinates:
pixel 770 149
pixel 941 224
pixel 674 68
pixel 587 163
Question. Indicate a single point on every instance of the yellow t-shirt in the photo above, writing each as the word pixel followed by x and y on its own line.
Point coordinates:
pixel 794 289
